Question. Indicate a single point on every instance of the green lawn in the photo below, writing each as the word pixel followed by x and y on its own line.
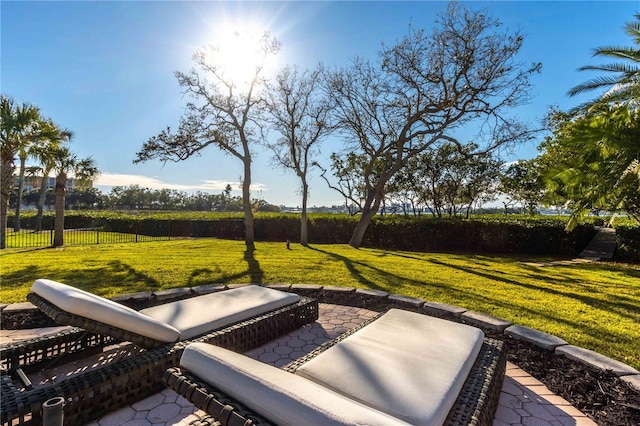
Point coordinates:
pixel 593 305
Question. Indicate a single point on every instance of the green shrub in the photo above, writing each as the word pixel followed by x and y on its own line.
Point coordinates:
pixel 628 243
pixel 480 234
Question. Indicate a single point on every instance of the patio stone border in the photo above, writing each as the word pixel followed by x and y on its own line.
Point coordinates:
pixel 25 315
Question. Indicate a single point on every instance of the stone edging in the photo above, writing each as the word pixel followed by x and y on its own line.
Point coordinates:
pixel 25 315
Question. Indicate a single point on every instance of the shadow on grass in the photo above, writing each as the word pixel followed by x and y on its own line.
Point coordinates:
pixel 623 306
pixel 254 271
pixel 356 269
pixel 98 281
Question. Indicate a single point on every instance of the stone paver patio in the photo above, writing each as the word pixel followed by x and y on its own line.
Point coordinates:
pixel 523 401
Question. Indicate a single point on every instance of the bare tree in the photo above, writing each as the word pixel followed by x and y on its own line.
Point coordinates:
pixel 297 112
pixel 224 114
pixel 424 89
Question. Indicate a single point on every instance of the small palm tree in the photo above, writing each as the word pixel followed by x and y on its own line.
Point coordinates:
pixel 65 163
pixel 624 81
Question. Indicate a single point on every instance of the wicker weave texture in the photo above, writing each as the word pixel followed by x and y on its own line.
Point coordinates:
pixel 95 393
pixel 33 353
pixel 475 406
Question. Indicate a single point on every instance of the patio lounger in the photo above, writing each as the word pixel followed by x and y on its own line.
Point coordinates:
pixel 238 319
pixel 401 368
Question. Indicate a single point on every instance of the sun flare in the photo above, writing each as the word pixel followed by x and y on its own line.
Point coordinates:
pixel 240 53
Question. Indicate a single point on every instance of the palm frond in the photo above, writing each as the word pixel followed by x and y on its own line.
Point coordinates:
pixel 618 52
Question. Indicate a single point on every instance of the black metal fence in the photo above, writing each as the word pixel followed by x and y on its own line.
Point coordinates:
pixel 80 236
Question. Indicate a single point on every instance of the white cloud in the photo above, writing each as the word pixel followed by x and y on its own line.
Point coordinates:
pixel 109 180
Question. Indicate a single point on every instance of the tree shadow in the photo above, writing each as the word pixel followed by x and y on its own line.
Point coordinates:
pixel 624 306
pixel 98 281
pixel 355 268
pixel 255 272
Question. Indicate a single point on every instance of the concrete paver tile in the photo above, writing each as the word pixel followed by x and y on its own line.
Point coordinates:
pixel 117 418
pixel 269 357
pixel 576 421
pixel 509 401
pixel 282 362
pixel 511 387
pixel 163 412
pixel 137 422
pixel 568 410
pixel 538 411
pixel 540 390
pixel 555 400
pixel 528 381
pixel 283 350
pixel 585 421
pixel 309 348
pixel 296 343
pixel 534 421
pixel 149 403
pixel 507 415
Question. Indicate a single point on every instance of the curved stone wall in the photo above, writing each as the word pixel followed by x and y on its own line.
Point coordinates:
pixel 25 315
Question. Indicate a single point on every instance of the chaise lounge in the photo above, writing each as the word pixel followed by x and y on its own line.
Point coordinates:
pixel 238 319
pixel 400 368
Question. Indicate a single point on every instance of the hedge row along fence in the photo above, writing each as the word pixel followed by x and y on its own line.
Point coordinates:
pixel 500 235
pixel 628 243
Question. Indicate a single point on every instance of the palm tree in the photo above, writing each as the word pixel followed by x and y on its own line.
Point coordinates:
pixel 18 126
pixel 65 163
pixel 42 131
pixel 624 81
pixel 46 155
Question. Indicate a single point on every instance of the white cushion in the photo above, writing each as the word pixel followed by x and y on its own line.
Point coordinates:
pixel 281 397
pixel 201 314
pixel 84 304
pixel 405 364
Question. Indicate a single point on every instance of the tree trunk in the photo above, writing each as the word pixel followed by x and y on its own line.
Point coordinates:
pixel 6 181
pixel 60 191
pixel 16 221
pixel 304 236
pixel 41 198
pixel 246 203
pixel 368 212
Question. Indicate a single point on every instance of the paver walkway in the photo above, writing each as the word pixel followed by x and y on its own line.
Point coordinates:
pixel 601 247
pixel 523 401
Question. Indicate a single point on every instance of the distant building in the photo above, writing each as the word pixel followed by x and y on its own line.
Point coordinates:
pixel 36 182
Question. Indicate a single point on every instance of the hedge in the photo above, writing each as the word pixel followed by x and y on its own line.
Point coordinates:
pixel 486 234
pixel 628 243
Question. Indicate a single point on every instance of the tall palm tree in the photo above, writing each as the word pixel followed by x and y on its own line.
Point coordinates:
pixel 46 154
pixel 623 81
pixel 17 127
pixel 41 132
pixel 84 169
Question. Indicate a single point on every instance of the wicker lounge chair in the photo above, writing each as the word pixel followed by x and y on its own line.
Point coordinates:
pixel 358 389
pixel 163 331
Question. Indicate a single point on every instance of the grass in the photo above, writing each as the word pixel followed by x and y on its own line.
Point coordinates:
pixel 592 305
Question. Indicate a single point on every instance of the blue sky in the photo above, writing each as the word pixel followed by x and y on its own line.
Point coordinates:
pixel 105 69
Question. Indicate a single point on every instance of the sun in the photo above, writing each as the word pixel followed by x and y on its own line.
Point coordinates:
pixel 239 53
